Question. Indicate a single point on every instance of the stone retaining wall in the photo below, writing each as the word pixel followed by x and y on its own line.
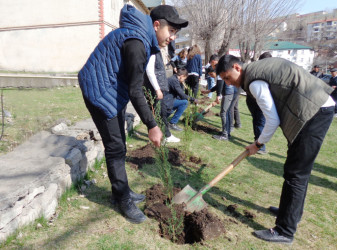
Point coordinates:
pixel 35 174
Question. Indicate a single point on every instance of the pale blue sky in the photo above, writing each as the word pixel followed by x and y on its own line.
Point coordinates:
pixel 309 6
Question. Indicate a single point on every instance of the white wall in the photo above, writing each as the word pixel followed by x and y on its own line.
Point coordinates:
pixel 69 34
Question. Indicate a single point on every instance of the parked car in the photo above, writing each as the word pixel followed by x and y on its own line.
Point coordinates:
pixel 326 78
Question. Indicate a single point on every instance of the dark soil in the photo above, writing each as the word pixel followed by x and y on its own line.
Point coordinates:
pixel 145 155
pixel 249 215
pixel 195 227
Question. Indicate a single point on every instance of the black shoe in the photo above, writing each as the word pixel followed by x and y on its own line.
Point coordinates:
pixel 136 198
pixel 175 127
pixel 273 210
pixel 272 235
pixel 220 137
pixel 131 212
pixel 237 126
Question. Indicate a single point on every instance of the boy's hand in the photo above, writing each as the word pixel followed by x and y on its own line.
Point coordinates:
pixel 252 149
pixel 159 94
pixel 212 74
pixel 155 136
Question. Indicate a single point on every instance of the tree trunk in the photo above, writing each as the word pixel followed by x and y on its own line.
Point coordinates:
pixel 208 51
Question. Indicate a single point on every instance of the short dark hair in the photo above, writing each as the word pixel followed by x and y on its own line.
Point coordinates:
pixel 164 22
pixel 182 72
pixel 265 55
pixel 226 62
pixel 214 57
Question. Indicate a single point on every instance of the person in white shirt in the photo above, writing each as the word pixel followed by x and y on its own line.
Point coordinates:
pixel 301 105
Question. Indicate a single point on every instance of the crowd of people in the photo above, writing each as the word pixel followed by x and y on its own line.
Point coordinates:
pixel 275 98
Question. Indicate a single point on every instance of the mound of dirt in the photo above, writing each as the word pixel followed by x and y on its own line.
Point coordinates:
pixel 189 227
pixel 145 155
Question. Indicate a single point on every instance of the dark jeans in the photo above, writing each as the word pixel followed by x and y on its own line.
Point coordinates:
pixel 164 115
pixel 257 115
pixel 193 82
pixel 225 114
pixel 297 169
pixel 235 115
pixel 113 137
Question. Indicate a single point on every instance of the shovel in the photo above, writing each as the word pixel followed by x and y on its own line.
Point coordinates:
pixel 193 200
pixel 200 116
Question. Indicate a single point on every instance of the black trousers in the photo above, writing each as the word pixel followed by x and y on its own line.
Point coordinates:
pixel 193 82
pixel 113 137
pixel 297 169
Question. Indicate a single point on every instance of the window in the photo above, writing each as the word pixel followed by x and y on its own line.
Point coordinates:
pixel 177 46
pixel 329 23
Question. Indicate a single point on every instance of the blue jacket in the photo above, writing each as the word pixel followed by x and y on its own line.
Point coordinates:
pixel 195 65
pixel 102 78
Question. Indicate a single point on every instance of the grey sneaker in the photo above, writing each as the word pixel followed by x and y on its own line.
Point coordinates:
pixel 262 151
pixel 175 127
pixel 220 137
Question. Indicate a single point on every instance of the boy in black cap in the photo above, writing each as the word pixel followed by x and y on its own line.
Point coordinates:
pixel 112 76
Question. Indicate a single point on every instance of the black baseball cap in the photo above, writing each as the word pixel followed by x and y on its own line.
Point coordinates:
pixel 170 14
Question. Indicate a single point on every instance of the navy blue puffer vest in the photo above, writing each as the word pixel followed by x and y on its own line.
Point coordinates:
pixel 102 79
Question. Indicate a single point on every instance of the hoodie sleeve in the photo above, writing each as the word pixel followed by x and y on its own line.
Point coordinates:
pixel 134 56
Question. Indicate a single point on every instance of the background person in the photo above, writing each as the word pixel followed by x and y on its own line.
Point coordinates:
pixel 194 68
pixel 210 74
pixel 176 102
pixel 179 61
pixel 316 72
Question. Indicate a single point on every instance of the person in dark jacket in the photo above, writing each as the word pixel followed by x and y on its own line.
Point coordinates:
pixel 316 72
pixel 333 84
pixel 210 75
pixel 176 101
pixel 194 68
pixel 301 105
pixel 225 94
pixel 112 75
pixel 179 61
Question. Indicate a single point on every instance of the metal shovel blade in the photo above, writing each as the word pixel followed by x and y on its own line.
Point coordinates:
pixel 192 199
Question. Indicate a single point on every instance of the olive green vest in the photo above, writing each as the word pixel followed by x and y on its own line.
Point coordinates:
pixel 297 94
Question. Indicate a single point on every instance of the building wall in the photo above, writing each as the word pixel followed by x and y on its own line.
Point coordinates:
pixel 302 57
pixel 54 36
